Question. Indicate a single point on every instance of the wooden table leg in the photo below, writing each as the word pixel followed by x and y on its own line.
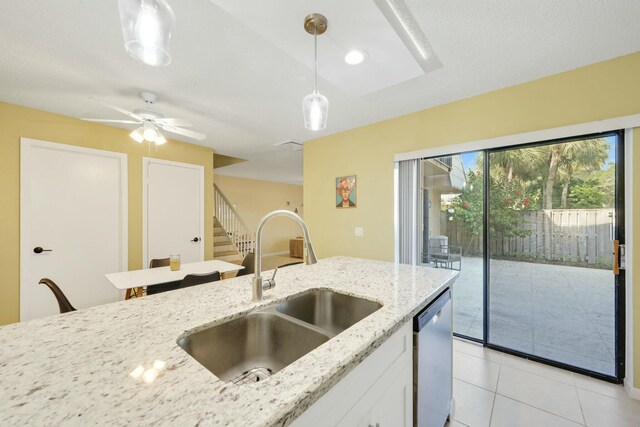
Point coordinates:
pixel 133 293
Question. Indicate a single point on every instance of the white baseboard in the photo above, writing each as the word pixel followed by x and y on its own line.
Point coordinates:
pixel 633 392
pixel 276 253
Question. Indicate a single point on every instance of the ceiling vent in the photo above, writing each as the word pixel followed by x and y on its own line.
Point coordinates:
pixel 288 146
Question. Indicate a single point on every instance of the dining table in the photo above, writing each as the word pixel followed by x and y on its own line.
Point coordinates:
pixel 137 279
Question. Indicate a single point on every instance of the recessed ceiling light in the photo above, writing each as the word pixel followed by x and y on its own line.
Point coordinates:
pixel 356 56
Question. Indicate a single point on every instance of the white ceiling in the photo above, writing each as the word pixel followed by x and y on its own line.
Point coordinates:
pixel 244 89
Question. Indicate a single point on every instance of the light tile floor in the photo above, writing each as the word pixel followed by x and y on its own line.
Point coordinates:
pixel 492 389
pixel 551 311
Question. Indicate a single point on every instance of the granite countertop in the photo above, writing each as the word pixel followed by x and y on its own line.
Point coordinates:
pixel 74 368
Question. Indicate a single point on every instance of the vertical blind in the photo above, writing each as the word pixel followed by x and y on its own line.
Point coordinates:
pixel 408 212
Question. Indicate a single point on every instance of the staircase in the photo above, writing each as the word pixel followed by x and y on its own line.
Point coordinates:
pixel 232 238
pixel 223 247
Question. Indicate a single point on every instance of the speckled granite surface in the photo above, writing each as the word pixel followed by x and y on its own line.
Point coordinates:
pixel 74 368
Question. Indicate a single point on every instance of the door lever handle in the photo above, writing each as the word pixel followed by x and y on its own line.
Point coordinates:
pixel 195 239
pixel 39 250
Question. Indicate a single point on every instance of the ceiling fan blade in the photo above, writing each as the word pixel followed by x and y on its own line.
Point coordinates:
pixel 185 132
pixel 120 110
pixel 175 122
pixel 111 121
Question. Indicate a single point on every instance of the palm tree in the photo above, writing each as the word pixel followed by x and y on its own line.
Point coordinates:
pixel 589 154
pixel 523 163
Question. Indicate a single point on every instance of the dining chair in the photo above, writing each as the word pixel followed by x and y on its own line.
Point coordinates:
pixel 198 279
pixel 63 302
pixel 163 287
pixel 248 264
pixel 159 262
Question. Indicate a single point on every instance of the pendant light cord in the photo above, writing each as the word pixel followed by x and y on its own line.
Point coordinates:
pixel 315 60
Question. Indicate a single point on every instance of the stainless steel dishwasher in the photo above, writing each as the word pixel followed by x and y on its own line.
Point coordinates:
pixel 432 363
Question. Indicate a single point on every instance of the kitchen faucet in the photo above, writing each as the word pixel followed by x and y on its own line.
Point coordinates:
pixel 310 258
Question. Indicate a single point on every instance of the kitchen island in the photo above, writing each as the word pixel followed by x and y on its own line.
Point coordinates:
pixel 74 368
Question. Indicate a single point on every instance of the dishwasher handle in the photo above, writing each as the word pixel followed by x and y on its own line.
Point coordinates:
pixel 432 310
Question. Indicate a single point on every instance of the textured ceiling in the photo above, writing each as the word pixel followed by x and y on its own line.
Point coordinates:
pixel 245 90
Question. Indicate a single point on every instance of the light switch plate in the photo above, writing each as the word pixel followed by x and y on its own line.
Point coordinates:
pixel 359 231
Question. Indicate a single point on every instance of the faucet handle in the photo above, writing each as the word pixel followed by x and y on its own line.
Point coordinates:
pixel 270 283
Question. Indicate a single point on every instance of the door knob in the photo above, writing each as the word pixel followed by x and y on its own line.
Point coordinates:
pixel 195 239
pixel 39 250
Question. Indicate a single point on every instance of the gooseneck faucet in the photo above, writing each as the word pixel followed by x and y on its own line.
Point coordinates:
pixel 310 258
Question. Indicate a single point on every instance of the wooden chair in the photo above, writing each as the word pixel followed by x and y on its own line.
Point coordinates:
pixel 159 262
pixel 63 302
pixel 248 264
pixel 163 287
pixel 198 279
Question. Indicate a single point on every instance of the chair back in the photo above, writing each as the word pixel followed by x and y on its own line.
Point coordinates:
pixel 163 287
pixel 198 279
pixel 248 264
pixel 63 302
pixel 159 262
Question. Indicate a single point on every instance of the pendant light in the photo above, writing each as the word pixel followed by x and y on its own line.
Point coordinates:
pixel 147 26
pixel 315 106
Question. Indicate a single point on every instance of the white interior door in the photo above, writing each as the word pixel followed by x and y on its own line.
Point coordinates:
pixel 73 204
pixel 173 210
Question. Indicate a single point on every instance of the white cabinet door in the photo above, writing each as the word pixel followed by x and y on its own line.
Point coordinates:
pixel 384 378
pixel 73 205
pixel 395 407
pixel 173 210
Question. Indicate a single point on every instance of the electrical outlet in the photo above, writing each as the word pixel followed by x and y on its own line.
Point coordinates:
pixel 359 231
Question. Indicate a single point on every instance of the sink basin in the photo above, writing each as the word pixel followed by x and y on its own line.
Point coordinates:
pixel 332 311
pixel 251 348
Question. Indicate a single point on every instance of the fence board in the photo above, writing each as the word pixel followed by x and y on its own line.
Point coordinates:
pixel 581 236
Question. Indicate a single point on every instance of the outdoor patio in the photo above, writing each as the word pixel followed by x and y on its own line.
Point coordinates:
pixel 552 311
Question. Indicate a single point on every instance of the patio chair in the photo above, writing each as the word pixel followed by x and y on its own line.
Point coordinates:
pixel 446 256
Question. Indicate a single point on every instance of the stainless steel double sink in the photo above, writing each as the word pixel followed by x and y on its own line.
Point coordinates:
pixel 259 344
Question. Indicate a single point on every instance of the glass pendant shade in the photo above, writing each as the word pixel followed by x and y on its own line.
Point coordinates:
pixel 147 26
pixel 150 132
pixel 137 135
pixel 315 108
pixel 160 139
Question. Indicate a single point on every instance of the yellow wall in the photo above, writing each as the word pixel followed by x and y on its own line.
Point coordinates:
pixel 600 91
pixel 254 199
pixel 16 122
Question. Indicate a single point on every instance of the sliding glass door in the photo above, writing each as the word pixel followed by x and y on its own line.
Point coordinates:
pixel 532 230
pixel 552 221
pixel 452 233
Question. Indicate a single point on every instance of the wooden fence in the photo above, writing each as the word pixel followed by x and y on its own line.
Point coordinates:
pixel 576 236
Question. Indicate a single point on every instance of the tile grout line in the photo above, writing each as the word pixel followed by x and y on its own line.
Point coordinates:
pixel 575 388
pixel 495 393
pixel 540 409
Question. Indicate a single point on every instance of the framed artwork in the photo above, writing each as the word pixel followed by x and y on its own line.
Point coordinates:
pixel 346 196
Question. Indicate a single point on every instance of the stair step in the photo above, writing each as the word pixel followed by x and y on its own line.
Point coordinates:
pixel 225 253
pixel 236 259
pixel 224 238
pixel 225 248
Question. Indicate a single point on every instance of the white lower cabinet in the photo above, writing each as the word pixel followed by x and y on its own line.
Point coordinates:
pixel 378 392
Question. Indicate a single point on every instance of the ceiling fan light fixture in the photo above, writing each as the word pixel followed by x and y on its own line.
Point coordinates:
pixel 160 139
pixel 147 26
pixel 150 132
pixel 137 135
pixel 315 107
pixel 356 56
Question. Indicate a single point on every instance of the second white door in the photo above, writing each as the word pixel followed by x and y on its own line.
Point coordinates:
pixel 173 210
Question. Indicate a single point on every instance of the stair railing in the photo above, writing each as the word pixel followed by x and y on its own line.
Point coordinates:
pixel 234 226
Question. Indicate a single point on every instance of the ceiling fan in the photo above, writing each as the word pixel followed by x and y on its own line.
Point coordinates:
pixel 150 120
